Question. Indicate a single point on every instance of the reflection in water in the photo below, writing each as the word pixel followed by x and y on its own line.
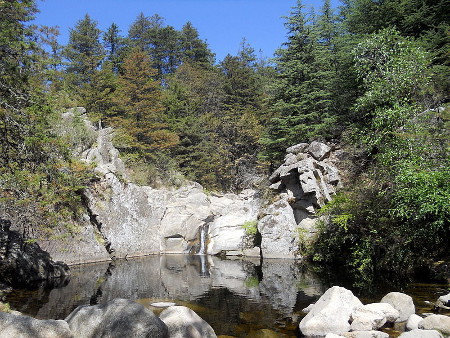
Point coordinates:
pixel 235 296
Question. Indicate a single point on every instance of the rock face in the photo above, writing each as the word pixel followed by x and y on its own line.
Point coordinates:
pixel 117 318
pixel 124 219
pixel 182 322
pixel 306 181
pixel 331 313
pixel 28 327
pixel 401 302
pixel 25 263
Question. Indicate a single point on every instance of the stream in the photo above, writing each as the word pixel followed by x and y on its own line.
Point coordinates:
pixel 236 297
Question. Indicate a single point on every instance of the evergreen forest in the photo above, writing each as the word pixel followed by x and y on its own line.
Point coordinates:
pixel 372 76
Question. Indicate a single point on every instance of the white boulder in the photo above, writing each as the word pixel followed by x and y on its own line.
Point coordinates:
pixel 330 314
pixel 182 322
pixel 401 302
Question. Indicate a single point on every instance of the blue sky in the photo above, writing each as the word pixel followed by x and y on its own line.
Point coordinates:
pixel 223 23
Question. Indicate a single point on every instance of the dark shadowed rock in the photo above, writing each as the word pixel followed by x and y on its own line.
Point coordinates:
pixel 24 263
pixel 117 318
pixel 17 326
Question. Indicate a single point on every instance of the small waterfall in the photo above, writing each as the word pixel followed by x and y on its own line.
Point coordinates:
pixel 203 239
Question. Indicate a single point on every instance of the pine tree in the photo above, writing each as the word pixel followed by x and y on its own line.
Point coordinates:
pixel 140 113
pixel 302 102
pixel 151 35
pixel 84 51
pixel 192 48
pixel 114 45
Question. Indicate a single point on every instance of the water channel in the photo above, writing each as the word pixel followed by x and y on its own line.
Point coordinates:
pixel 237 297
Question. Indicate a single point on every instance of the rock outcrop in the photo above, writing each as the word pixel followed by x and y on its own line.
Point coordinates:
pixel 306 181
pixel 124 219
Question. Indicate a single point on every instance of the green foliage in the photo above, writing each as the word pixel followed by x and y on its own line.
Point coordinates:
pixel 250 227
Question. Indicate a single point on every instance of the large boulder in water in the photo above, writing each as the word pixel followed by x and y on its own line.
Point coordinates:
pixel 330 314
pixel 402 302
pixel 117 318
pixel 16 326
pixel 436 322
pixel 185 323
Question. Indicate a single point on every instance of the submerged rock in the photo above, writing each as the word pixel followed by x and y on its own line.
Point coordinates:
pixel 421 334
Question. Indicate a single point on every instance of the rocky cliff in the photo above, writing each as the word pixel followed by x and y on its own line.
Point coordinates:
pixel 124 219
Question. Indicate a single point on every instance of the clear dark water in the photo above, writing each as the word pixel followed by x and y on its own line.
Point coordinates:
pixel 241 298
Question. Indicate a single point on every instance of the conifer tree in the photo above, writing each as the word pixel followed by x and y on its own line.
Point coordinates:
pixel 192 48
pixel 301 101
pixel 114 45
pixel 84 51
pixel 139 111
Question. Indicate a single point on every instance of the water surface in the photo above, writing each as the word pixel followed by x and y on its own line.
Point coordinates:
pixel 237 297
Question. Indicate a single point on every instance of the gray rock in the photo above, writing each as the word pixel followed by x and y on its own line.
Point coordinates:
pixel 436 322
pixel 332 335
pixel 298 148
pixel 388 310
pixel 413 322
pixel 319 150
pixel 421 334
pixel 331 313
pixel 117 318
pixel 401 302
pixel 366 318
pixel 278 231
pixel 17 326
pixel 182 322
pixel 366 334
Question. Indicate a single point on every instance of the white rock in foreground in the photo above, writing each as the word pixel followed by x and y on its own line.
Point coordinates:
pixel 436 322
pixel 330 314
pixel 401 302
pixel 182 322
pixel 413 322
pixel 366 334
pixel 421 334
pixel 117 318
pixel 12 325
